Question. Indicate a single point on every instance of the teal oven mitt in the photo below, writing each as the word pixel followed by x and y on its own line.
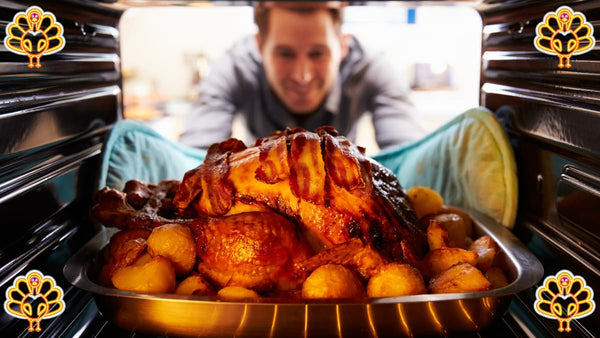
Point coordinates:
pixel 135 151
pixel 469 161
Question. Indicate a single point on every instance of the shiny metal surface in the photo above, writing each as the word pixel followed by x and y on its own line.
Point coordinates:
pixel 553 105
pixel 53 123
pixel 551 116
pixel 74 92
pixel 411 315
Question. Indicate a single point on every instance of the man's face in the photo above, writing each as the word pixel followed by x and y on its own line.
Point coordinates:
pixel 301 53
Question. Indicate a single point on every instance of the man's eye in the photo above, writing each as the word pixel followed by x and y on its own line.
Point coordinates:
pixel 286 55
pixel 316 54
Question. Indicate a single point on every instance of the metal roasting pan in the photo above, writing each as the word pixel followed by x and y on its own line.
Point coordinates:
pixel 170 314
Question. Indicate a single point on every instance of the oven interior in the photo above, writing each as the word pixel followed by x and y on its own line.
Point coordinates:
pixel 54 121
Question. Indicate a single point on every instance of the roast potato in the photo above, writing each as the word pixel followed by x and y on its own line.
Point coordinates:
pixel 237 294
pixel 195 285
pixel 486 250
pixel 467 221
pixel 437 236
pixel 497 277
pixel 143 259
pixel 147 275
pixel 124 248
pixel 396 279
pixel 441 259
pixel 175 242
pixel 454 224
pixel 332 281
pixel 425 200
pixel 462 277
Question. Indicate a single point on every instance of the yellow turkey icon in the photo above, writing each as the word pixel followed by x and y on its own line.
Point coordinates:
pixel 34 33
pixel 564 297
pixel 564 33
pixel 34 297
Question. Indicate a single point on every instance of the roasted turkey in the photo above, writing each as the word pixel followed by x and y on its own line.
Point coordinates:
pixel 261 214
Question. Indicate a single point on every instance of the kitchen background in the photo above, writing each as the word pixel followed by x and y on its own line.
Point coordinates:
pixel 166 51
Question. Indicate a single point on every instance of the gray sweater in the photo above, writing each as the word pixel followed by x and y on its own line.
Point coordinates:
pixel 237 83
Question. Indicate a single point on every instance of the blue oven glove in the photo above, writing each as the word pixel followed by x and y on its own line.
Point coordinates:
pixel 135 151
pixel 468 160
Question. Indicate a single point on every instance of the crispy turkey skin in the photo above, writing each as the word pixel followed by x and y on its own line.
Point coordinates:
pixel 320 180
pixel 258 212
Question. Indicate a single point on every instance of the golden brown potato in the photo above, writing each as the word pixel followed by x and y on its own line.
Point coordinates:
pixel 462 277
pixel 332 281
pixel 467 221
pixel 237 294
pixel 486 250
pixel 175 242
pixel 151 275
pixel 143 259
pixel 425 200
pixel 195 285
pixel 437 236
pixel 124 249
pixel 497 277
pixel 121 244
pixel 441 259
pixel 396 279
pixel 454 224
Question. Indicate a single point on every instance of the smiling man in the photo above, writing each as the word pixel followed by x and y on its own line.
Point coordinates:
pixel 300 70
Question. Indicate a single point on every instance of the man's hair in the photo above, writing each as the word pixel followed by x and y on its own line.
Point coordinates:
pixel 262 9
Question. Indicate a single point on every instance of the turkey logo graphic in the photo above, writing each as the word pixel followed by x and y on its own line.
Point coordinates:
pixel 34 33
pixel 564 33
pixel 564 297
pixel 34 297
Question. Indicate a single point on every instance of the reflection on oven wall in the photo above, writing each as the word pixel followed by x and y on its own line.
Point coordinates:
pixel 436 49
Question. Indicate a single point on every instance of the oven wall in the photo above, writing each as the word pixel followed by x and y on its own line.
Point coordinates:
pixel 553 118
pixel 53 121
